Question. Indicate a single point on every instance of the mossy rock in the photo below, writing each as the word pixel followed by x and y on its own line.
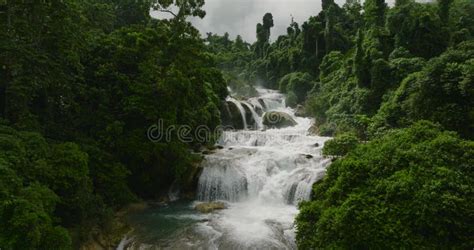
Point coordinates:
pixel 277 119
pixel 209 207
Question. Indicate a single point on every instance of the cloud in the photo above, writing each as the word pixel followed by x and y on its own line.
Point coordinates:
pixel 240 17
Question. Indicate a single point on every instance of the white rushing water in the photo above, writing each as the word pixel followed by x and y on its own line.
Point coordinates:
pixel 261 175
pixel 241 109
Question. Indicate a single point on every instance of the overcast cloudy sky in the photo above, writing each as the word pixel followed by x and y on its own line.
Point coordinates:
pixel 241 16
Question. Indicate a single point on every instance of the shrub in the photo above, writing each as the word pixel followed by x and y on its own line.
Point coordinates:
pixel 291 99
pixel 340 145
pixel 411 188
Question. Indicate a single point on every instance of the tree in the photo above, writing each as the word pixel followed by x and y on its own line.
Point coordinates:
pixel 374 13
pixel 341 145
pixel 185 8
pixel 443 10
pixel 440 92
pixel 298 83
pixel 391 192
pixel 418 28
pixel 263 35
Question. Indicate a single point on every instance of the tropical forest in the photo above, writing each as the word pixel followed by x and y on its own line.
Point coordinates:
pixel 124 124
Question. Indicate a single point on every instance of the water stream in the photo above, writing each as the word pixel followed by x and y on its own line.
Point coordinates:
pixel 261 175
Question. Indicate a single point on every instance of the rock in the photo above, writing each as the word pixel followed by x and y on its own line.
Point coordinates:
pixel 226 115
pixel 207 152
pixel 276 119
pixel 198 148
pixel 132 208
pixel 300 111
pixel 258 110
pixel 231 116
pixel 231 149
pixel 109 237
pixel 190 180
pixel 260 100
pixel 219 147
pixel 316 145
pixel 307 156
pixel 313 130
pixel 251 123
pixel 209 207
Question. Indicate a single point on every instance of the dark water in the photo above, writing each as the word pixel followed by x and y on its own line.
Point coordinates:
pixel 161 226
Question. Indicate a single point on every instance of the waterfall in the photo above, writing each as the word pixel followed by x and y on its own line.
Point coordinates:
pixel 263 175
pixel 256 118
pixel 259 176
pixel 221 182
pixel 241 109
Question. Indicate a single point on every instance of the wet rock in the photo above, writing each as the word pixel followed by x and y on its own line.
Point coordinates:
pixel 260 100
pixel 300 111
pixel 209 207
pixel 277 119
pixel 197 148
pixel 258 110
pixel 189 183
pixel 219 147
pixel 231 116
pixel 316 145
pixel 307 156
pixel 313 130
pixel 251 123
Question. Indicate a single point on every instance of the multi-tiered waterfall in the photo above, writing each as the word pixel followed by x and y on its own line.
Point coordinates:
pixel 261 175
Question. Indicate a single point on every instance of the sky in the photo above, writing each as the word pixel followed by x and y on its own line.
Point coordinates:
pixel 240 17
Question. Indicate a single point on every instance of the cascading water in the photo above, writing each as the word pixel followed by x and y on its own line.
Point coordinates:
pixel 241 109
pixel 256 118
pixel 261 176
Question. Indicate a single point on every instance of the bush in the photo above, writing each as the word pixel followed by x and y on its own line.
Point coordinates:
pixel 291 99
pixel 299 83
pixel 411 188
pixel 340 145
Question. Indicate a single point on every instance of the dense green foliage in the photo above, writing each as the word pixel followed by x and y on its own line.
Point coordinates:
pixel 443 91
pixel 405 65
pixel 81 83
pixel 364 72
pixel 340 145
pixel 411 188
pixel 366 69
pixel 405 188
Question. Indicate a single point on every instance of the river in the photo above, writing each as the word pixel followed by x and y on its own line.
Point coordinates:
pixel 260 174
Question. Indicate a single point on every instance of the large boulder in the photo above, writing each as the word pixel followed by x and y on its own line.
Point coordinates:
pixel 209 207
pixel 275 119
pixel 262 103
pixel 313 130
pixel 300 111
pixel 231 116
